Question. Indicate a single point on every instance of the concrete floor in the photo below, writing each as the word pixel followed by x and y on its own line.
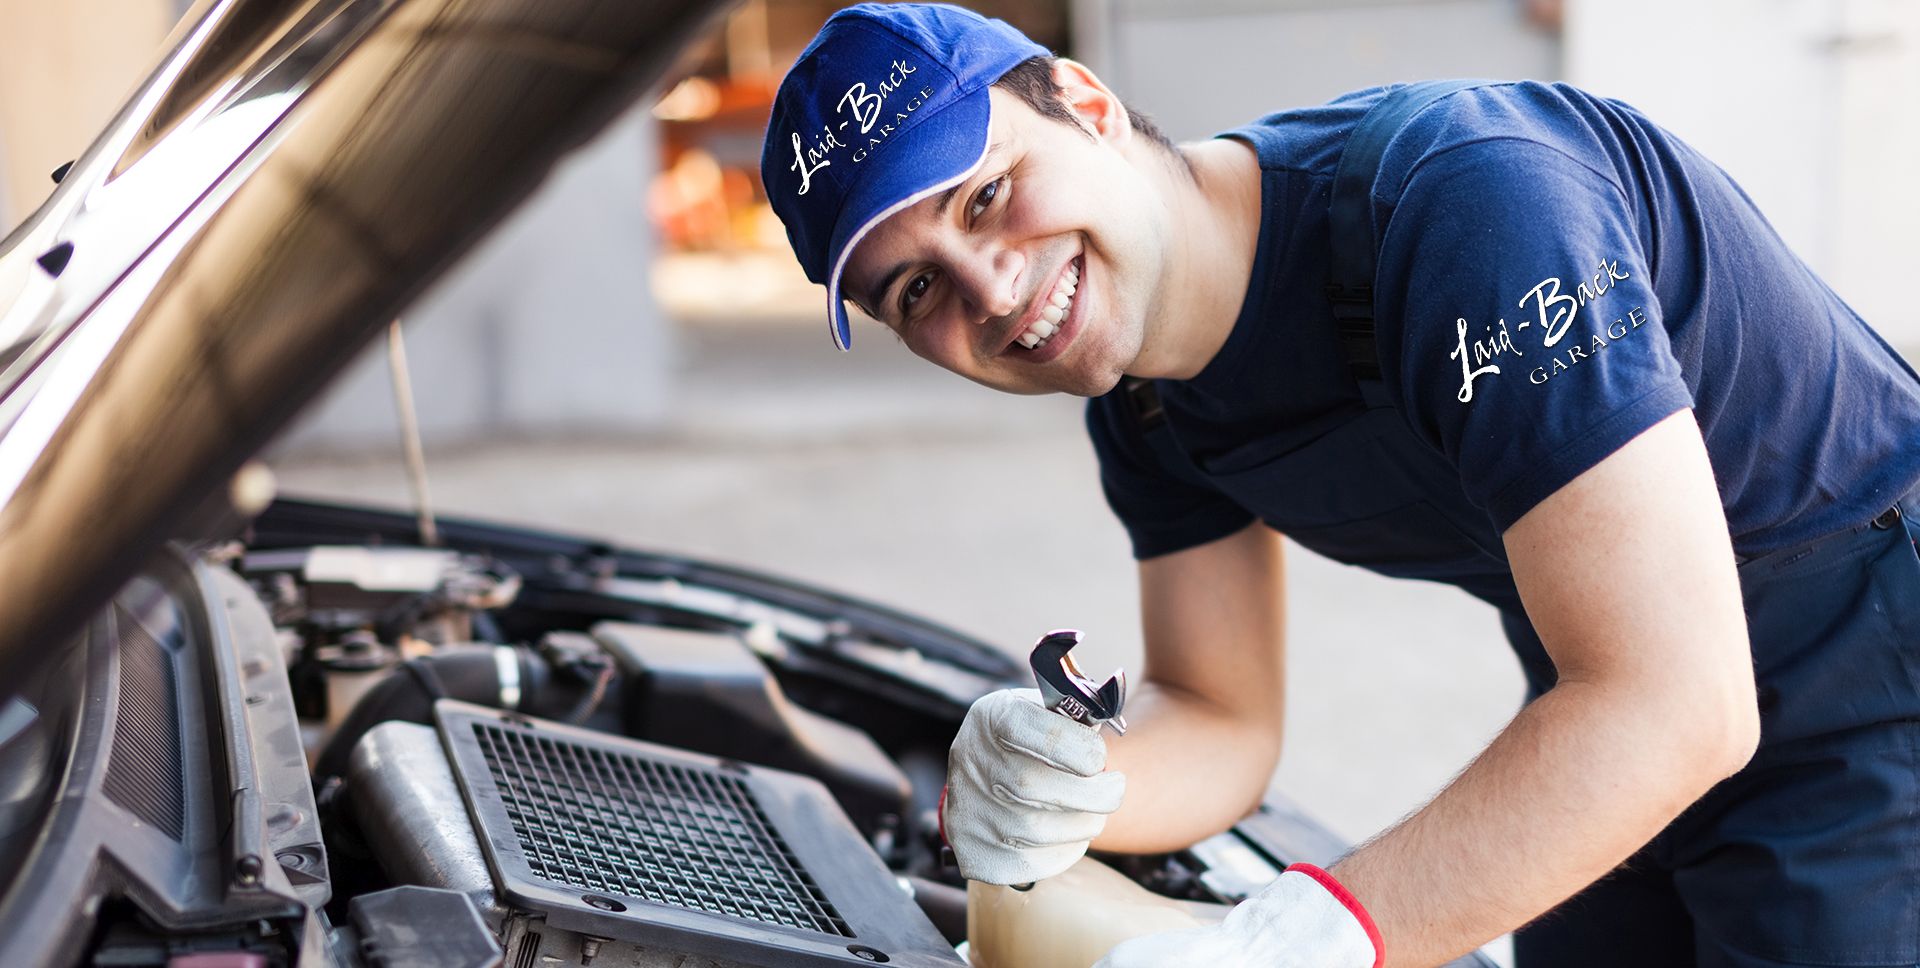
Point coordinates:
pixel 876 474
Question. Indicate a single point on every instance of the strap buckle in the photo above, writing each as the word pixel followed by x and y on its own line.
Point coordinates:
pixel 1144 401
pixel 1353 319
pixel 1350 302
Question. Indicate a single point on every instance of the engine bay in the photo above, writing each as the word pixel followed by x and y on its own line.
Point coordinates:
pixel 327 744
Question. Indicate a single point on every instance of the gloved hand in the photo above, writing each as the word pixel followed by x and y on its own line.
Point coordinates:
pixel 1026 790
pixel 1304 919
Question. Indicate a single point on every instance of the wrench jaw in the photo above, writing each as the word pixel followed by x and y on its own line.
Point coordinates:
pixel 1113 695
pixel 1069 692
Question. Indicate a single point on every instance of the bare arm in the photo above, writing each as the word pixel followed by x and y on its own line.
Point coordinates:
pixel 1627 573
pixel 1204 724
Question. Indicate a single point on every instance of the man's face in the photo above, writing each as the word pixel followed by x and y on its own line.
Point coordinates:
pixel 970 278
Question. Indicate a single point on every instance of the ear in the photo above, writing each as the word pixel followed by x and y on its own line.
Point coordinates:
pixel 1090 100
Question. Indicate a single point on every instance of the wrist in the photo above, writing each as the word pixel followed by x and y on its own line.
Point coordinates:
pixel 1347 900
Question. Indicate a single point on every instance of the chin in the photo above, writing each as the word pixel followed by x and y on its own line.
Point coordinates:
pixel 1098 377
pixel 1095 385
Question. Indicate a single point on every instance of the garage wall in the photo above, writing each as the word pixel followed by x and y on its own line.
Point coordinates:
pixel 549 326
pixel 63 74
pixel 1809 104
pixel 1200 66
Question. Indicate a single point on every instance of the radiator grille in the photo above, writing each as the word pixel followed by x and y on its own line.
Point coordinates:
pixel 144 773
pixel 598 820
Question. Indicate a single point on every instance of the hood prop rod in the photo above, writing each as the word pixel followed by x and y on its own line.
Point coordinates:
pixel 410 435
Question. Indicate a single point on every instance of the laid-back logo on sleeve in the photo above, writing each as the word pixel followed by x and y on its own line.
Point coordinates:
pixel 1553 310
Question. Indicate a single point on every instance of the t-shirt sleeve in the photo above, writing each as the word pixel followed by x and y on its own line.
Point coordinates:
pixel 1162 510
pixel 1517 320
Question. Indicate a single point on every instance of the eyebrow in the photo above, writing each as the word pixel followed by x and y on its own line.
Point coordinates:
pixel 877 295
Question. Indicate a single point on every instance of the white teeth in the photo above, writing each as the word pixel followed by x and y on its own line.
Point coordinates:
pixel 1053 312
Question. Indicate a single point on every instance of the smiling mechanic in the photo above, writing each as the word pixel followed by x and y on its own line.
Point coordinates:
pixel 1508 336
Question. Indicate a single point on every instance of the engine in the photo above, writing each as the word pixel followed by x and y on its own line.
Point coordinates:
pixel 552 780
pixel 326 745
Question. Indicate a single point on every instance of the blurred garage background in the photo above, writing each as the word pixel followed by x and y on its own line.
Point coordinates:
pixel 637 355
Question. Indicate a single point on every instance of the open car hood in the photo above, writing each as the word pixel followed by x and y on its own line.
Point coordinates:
pixel 287 180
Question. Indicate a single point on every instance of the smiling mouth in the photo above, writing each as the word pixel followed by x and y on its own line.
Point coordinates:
pixel 1054 312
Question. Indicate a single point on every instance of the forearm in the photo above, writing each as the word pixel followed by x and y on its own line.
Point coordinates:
pixel 1574 785
pixel 1193 768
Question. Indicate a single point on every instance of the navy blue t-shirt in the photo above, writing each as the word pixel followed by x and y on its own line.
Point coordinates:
pixel 1556 274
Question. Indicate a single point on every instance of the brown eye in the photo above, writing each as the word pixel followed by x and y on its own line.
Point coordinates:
pixel 985 196
pixel 913 290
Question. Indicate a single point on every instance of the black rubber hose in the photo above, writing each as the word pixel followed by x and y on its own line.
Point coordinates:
pixel 464 672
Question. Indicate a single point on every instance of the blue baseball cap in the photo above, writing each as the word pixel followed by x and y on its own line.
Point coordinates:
pixel 887 106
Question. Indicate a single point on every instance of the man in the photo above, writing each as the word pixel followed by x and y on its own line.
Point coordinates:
pixel 1595 391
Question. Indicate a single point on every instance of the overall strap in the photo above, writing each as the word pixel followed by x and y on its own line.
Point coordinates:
pixel 1350 220
pixel 1142 403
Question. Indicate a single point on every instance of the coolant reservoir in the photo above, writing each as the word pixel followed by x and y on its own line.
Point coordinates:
pixel 354 665
pixel 1072 920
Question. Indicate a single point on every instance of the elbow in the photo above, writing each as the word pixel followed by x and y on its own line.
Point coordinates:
pixel 1742 735
pixel 1710 730
pixel 1718 705
pixel 1704 743
pixel 1260 743
pixel 1729 730
pixel 1259 759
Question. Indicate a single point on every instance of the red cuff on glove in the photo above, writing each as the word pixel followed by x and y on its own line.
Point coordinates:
pixel 1351 903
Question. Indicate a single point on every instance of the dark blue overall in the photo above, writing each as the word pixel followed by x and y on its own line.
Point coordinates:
pixel 1811 854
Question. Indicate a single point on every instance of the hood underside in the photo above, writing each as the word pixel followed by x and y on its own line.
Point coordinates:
pixel 287 180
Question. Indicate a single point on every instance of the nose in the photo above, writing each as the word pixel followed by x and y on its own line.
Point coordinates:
pixel 989 279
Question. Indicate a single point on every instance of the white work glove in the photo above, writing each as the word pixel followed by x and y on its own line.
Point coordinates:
pixel 1026 790
pixel 1304 919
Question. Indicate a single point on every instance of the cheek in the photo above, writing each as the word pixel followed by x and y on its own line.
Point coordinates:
pixel 1097 200
pixel 1060 196
pixel 1047 207
pixel 935 341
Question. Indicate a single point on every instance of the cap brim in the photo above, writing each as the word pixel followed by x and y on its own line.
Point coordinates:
pixel 934 155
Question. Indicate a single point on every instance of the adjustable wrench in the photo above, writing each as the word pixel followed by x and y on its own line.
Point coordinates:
pixel 1067 691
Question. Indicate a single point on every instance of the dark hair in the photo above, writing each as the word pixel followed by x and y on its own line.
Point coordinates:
pixel 1032 82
